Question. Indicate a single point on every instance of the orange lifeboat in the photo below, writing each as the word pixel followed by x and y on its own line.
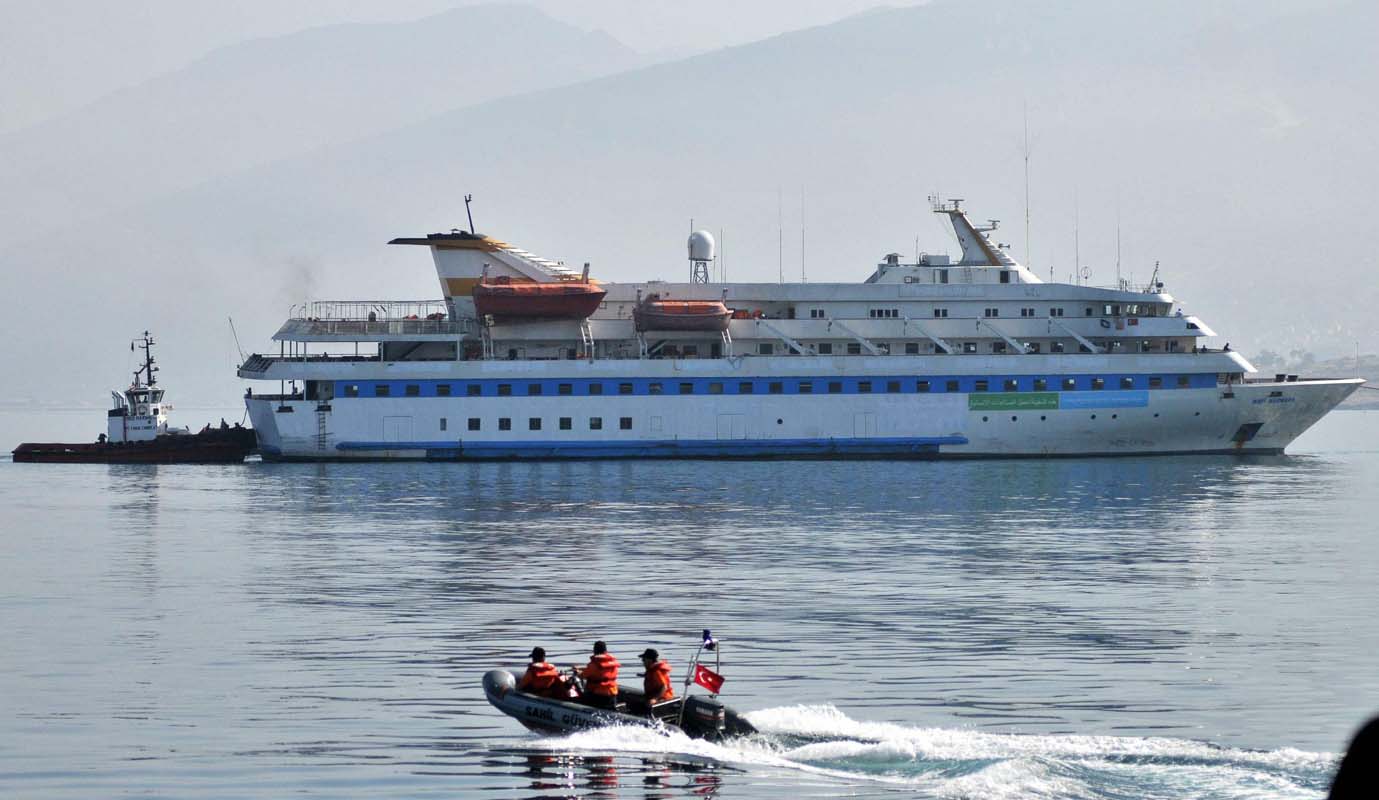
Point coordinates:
pixel 505 299
pixel 657 314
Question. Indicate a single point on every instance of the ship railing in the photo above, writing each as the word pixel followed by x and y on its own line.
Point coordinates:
pixel 261 363
pixel 355 317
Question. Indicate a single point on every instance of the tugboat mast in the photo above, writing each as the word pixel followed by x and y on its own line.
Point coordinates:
pixel 146 342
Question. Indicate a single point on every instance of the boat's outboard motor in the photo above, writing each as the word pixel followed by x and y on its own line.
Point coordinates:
pixel 704 717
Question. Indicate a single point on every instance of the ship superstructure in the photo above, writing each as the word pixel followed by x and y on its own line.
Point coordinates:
pixel 973 356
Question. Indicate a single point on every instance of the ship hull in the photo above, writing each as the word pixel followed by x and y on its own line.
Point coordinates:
pixel 1253 418
pixel 211 447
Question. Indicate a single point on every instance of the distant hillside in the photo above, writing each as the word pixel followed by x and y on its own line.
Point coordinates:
pixel 274 98
pixel 1232 140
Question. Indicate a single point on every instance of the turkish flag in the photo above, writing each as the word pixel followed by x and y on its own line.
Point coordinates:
pixel 707 678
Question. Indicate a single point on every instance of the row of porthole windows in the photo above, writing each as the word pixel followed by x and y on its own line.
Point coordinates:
pixel 1043 417
pixel 535 423
pixel 799 386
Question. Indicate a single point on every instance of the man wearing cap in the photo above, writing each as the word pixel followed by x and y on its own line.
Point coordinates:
pixel 541 678
pixel 600 678
pixel 656 679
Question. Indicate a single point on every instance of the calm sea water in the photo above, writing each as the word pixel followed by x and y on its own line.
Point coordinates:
pixel 1171 627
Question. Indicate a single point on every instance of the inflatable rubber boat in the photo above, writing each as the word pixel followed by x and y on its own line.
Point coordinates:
pixel 698 716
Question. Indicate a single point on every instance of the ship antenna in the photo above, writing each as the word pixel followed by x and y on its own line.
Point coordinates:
pixel 780 235
pixel 1028 258
pixel 803 279
pixel 468 213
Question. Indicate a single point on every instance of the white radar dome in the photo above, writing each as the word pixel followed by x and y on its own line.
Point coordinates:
pixel 701 246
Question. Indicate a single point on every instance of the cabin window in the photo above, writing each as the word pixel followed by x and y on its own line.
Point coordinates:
pixel 816 313
pixel 624 388
pixel 744 387
pixel 998 347
pixel 775 387
pixel 504 389
pixel 1156 382
pixel 950 386
pixel 1055 312
pixel 912 348
pixel 1098 383
pixel 690 351
pixel 884 347
pixel 980 386
pixel 474 423
pixel 1041 384
pixel 992 312
pixel 1089 311
pixel 1031 347
pixel 444 422
pixel 442 390
pixel 715 387
pixel 1069 384
pixel 893 387
pixel 352 390
pixel 765 349
pixel 1005 276
pixel 806 387
pixel 854 349
pixel 566 423
pixel 534 423
pixel 1026 312
pixel 941 313
pixel 824 348
pixel 565 389
pixel 596 423
pixel 922 386
pixel 533 389
pixel 1011 385
pixel 382 390
pixel 1127 383
pixel 412 390
pixel 504 424
pixel 474 390
pixel 686 388
pixel 941 275
pixel 1055 347
pixel 835 387
pixel 654 387
pixel 595 388
pixel 969 347
pixel 625 423
pixel 1184 381
pixel 864 387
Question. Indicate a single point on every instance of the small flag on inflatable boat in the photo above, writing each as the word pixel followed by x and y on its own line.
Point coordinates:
pixel 709 642
pixel 707 678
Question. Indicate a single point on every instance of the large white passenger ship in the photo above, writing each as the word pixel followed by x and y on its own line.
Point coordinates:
pixel 524 358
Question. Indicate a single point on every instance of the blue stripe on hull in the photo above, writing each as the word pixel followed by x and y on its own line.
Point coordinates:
pixel 669 448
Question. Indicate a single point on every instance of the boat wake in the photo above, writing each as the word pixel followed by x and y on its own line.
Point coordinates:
pixel 945 762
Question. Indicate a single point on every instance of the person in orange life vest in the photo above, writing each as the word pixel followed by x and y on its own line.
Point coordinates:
pixel 541 678
pixel 600 678
pixel 656 679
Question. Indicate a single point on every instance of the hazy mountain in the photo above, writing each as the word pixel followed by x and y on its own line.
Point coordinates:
pixel 1232 142
pixel 271 98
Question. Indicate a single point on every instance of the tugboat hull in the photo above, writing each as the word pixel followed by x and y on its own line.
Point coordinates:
pixel 222 446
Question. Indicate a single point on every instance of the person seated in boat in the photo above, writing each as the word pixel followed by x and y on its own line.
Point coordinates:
pixel 600 678
pixel 541 677
pixel 656 680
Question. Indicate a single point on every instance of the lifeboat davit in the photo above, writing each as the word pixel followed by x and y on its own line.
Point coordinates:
pixel 506 299
pixel 657 314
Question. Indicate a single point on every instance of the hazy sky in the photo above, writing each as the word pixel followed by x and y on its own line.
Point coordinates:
pixel 1231 141
pixel 56 55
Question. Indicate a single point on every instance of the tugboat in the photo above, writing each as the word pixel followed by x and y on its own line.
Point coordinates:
pixel 137 431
